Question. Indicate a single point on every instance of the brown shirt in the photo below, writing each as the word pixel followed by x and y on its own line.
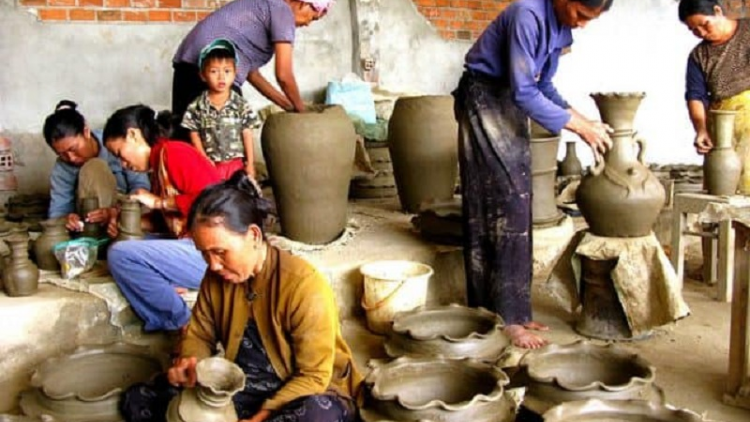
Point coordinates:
pixel 297 319
pixel 726 67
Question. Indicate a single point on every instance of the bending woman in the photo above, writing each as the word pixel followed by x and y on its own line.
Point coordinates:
pixel 273 313
pixel 152 273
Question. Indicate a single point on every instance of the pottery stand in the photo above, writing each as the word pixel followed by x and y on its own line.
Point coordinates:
pixel 737 391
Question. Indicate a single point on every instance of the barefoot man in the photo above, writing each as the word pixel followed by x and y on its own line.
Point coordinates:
pixel 507 79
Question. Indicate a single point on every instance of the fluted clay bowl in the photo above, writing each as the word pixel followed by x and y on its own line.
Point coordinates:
pixel 440 389
pixel 618 109
pixel 578 371
pixel 88 382
pixel 618 411
pixel 452 331
pixel 220 376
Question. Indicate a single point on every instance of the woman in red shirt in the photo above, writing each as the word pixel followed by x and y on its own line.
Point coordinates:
pixel 153 273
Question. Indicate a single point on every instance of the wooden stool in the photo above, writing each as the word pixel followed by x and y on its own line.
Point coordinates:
pixel 738 382
pixel 718 257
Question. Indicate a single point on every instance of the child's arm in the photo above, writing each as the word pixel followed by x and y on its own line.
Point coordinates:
pixel 247 140
pixel 195 139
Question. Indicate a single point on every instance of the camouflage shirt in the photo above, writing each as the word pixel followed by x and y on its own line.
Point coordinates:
pixel 220 130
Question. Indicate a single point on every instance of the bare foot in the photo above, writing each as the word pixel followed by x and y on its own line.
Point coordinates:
pixel 536 326
pixel 180 290
pixel 523 338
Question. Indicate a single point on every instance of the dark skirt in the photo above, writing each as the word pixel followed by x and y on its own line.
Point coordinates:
pixel 495 161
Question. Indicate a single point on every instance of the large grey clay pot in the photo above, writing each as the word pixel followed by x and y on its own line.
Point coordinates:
pixel 54 233
pixel 309 157
pixel 620 196
pixel 439 389
pixel 422 139
pixel 451 331
pixel 557 374
pixel 218 380
pixel 20 275
pixel 618 411
pixel 618 109
pixel 86 385
pixel 722 166
pixel 543 172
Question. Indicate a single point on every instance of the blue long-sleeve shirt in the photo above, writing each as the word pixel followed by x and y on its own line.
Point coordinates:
pixel 695 82
pixel 521 48
pixel 64 180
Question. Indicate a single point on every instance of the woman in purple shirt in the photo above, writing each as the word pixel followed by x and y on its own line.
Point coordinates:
pixel 260 30
pixel 508 79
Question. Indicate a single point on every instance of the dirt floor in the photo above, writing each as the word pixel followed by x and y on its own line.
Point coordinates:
pixel 691 357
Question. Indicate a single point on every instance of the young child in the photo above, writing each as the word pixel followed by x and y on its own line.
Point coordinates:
pixel 219 120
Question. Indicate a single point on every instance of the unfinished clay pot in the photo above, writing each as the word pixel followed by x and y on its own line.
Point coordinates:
pixel 557 374
pixel 618 411
pixel 90 229
pixel 129 220
pixel 86 385
pixel 20 275
pixel 620 196
pixel 544 210
pixel 618 109
pixel 722 166
pixel 452 331
pixel 383 184
pixel 422 139
pixel 441 221
pixel 439 389
pixel 570 165
pixel 211 400
pixel 309 157
pixel 54 233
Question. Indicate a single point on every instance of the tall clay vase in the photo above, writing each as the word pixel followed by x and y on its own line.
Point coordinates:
pixel 309 157
pixel 129 221
pixel 218 380
pixel 422 140
pixel 621 197
pixel 543 170
pixel 20 276
pixel 90 229
pixel 618 109
pixel 570 165
pixel 54 233
pixel 722 166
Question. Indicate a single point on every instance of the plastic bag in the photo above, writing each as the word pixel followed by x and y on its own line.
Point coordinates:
pixel 355 95
pixel 77 256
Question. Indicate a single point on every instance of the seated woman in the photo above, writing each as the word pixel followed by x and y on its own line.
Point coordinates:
pixel 84 168
pixel 152 273
pixel 273 313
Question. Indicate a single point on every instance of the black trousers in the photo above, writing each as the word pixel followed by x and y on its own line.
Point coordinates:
pixel 495 162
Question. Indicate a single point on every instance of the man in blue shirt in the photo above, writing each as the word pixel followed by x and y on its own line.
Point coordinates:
pixel 508 79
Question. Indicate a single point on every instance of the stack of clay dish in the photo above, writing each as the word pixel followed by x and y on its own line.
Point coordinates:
pixel 86 385
pixel 556 374
pixel 618 411
pixel 437 389
pixel 451 331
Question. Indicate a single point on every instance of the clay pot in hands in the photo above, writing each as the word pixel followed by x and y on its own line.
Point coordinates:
pixel 422 140
pixel 309 157
pixel 722 166
pixel 129 220
pixel 20 275
pixel 90 229
pixel 54 233
pixel 218 380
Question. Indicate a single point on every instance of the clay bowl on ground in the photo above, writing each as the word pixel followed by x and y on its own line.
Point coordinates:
pixel 556 374
pixel 452 331
pixel 86 385
pixel 618 411
pixel 440 389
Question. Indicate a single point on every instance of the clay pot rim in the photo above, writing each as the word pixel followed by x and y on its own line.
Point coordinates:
pixel 724 112
pixel 544 139
pixel 402 318
pixel 618 94
pixel 378 367
pixel 569 411
pixel 38 377
pixel 208 366
pixel 585 347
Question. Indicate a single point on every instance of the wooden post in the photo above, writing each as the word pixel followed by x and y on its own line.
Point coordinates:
pixel 738 382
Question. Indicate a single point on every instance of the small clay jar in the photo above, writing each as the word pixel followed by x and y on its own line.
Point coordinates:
pixel 129 221
pixel 54 233
pixel 570 165
pixel 20 276
pixel 90 229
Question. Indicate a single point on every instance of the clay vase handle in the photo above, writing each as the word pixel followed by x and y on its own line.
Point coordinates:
pixel 658 395
pixel 598 166
pixel 641 147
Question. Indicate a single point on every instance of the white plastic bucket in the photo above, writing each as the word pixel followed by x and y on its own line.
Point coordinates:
pixel 392 287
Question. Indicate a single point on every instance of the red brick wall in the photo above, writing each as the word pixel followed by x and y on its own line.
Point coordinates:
pixel 129 11
pixel 460 19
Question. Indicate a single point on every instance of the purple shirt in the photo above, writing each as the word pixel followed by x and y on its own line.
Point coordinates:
pixel 252 25
pixel 521 48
